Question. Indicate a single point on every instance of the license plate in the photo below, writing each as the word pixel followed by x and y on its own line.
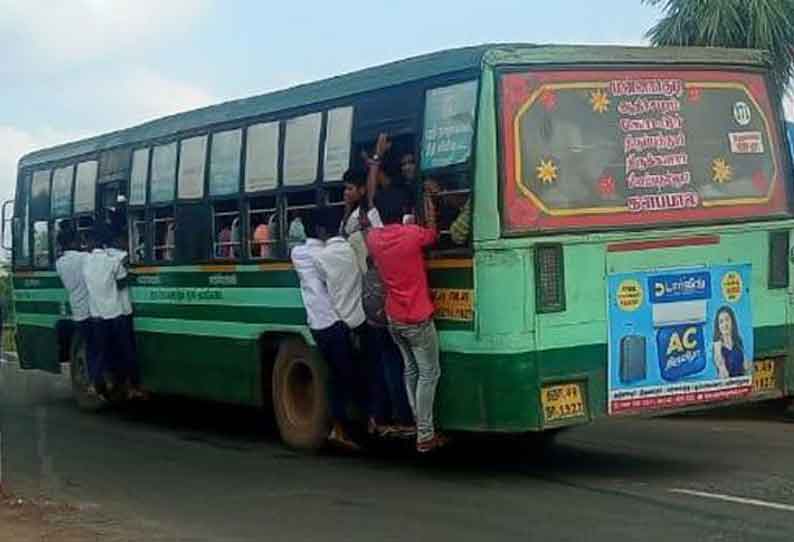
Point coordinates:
pixel 764 376
pixel 562 401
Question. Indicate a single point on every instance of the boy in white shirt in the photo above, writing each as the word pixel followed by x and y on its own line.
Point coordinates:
pixel 328 329
pixel 124 331
pixel 103 271
pixel 70 269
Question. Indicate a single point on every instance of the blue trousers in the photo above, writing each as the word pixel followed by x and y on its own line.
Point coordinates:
pixel 388 399
pixel 336 348
pixel 111 348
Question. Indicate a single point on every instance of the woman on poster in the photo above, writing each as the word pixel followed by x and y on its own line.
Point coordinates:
pixel 728 347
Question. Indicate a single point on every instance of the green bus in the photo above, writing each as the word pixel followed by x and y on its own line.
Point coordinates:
pixel 629 249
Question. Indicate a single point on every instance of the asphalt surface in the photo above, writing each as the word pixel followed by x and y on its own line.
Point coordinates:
pixel 185 470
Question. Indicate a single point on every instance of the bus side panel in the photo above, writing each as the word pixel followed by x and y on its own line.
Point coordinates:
pixel 39 302
pixel 214 368
pixel 489 375
pixel 487 392
pixel 37 348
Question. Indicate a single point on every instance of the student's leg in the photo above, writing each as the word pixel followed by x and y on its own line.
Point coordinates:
pixel 125 335
pixel 391 360
pixel 334 345
pixel 423 341
pixel 101 331
pixel 378 407
pixel 411 373
pixel 86 329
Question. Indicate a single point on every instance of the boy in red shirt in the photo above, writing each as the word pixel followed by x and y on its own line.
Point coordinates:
pixel 397 250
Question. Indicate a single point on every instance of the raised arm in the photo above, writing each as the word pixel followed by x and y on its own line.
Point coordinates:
pixel 382 146
pixel 429 232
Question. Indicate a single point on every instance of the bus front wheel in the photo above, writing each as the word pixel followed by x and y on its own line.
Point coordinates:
pixel 300 397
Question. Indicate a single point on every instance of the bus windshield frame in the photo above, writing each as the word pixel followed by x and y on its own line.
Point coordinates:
pixel 648 109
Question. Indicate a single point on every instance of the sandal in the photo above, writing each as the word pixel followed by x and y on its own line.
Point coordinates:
pixel 137 395
pixel 405 431
pixel 430 445
pixel 342 441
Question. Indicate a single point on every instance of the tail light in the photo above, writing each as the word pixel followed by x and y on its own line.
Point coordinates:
pixel 549 278
pixel 778 259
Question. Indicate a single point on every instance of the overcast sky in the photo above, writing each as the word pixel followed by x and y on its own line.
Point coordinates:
pixel 74 68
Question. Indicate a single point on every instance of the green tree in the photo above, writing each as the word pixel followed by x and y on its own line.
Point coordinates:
pixel 743 24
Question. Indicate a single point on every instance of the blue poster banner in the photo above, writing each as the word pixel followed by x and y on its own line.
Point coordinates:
pixel 679 337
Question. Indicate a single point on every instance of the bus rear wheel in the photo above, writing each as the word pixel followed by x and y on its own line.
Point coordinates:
pixel 300 397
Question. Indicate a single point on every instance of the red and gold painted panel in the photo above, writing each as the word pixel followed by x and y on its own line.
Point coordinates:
pixel 590 149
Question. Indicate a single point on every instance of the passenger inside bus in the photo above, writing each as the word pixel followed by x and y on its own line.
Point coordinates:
pixel 453 213
pixel 260 244
pixel 263 228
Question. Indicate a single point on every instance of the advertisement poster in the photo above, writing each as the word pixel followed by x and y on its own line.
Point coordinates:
pixel 679 337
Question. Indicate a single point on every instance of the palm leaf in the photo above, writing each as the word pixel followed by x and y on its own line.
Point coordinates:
pixel 755 24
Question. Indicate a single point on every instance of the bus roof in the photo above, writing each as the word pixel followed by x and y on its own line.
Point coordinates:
pixel 391 74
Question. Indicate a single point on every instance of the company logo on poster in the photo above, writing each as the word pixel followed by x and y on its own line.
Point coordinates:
pixel 742 114
pixel 688 341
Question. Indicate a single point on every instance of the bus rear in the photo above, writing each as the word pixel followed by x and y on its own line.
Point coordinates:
pixel 645 226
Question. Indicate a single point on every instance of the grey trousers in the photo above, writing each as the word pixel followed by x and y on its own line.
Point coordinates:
pixel 418 344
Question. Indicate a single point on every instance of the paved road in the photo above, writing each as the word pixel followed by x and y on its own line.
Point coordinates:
pixel 182 470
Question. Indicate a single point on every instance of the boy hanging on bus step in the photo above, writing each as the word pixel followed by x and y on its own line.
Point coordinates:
pixel 390 412
pixel 124 330
pixel 70 269
pixel 105 276
pixel 328 329
pixel 397 250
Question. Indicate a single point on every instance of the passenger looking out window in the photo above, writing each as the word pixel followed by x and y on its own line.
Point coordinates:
pixel 226 220
pixel 453 212
pixel 263 227
pixel 298 204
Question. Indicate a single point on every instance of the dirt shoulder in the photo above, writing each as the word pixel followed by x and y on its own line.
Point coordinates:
pixel 25 520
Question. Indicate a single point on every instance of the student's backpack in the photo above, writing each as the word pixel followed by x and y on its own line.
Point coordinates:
pixel 373 297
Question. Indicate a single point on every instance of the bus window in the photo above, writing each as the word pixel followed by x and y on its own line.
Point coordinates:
pixel 164 235
pixel 140 172
pixel 85 187
pixel 302 149
pixel 452 199
pixel 192 159
pixel 41 244
pixel 263 227
pixel 139 235
pixel 21 232
pixel 61 194
pixel 261 157
pixel 298 203
pixel 226 230
pixel 225 163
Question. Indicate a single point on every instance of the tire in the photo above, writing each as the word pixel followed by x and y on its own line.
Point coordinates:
pixel 79 377
pixel 300 396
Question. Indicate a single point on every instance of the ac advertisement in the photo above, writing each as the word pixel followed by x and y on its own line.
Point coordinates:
pixel 679 337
